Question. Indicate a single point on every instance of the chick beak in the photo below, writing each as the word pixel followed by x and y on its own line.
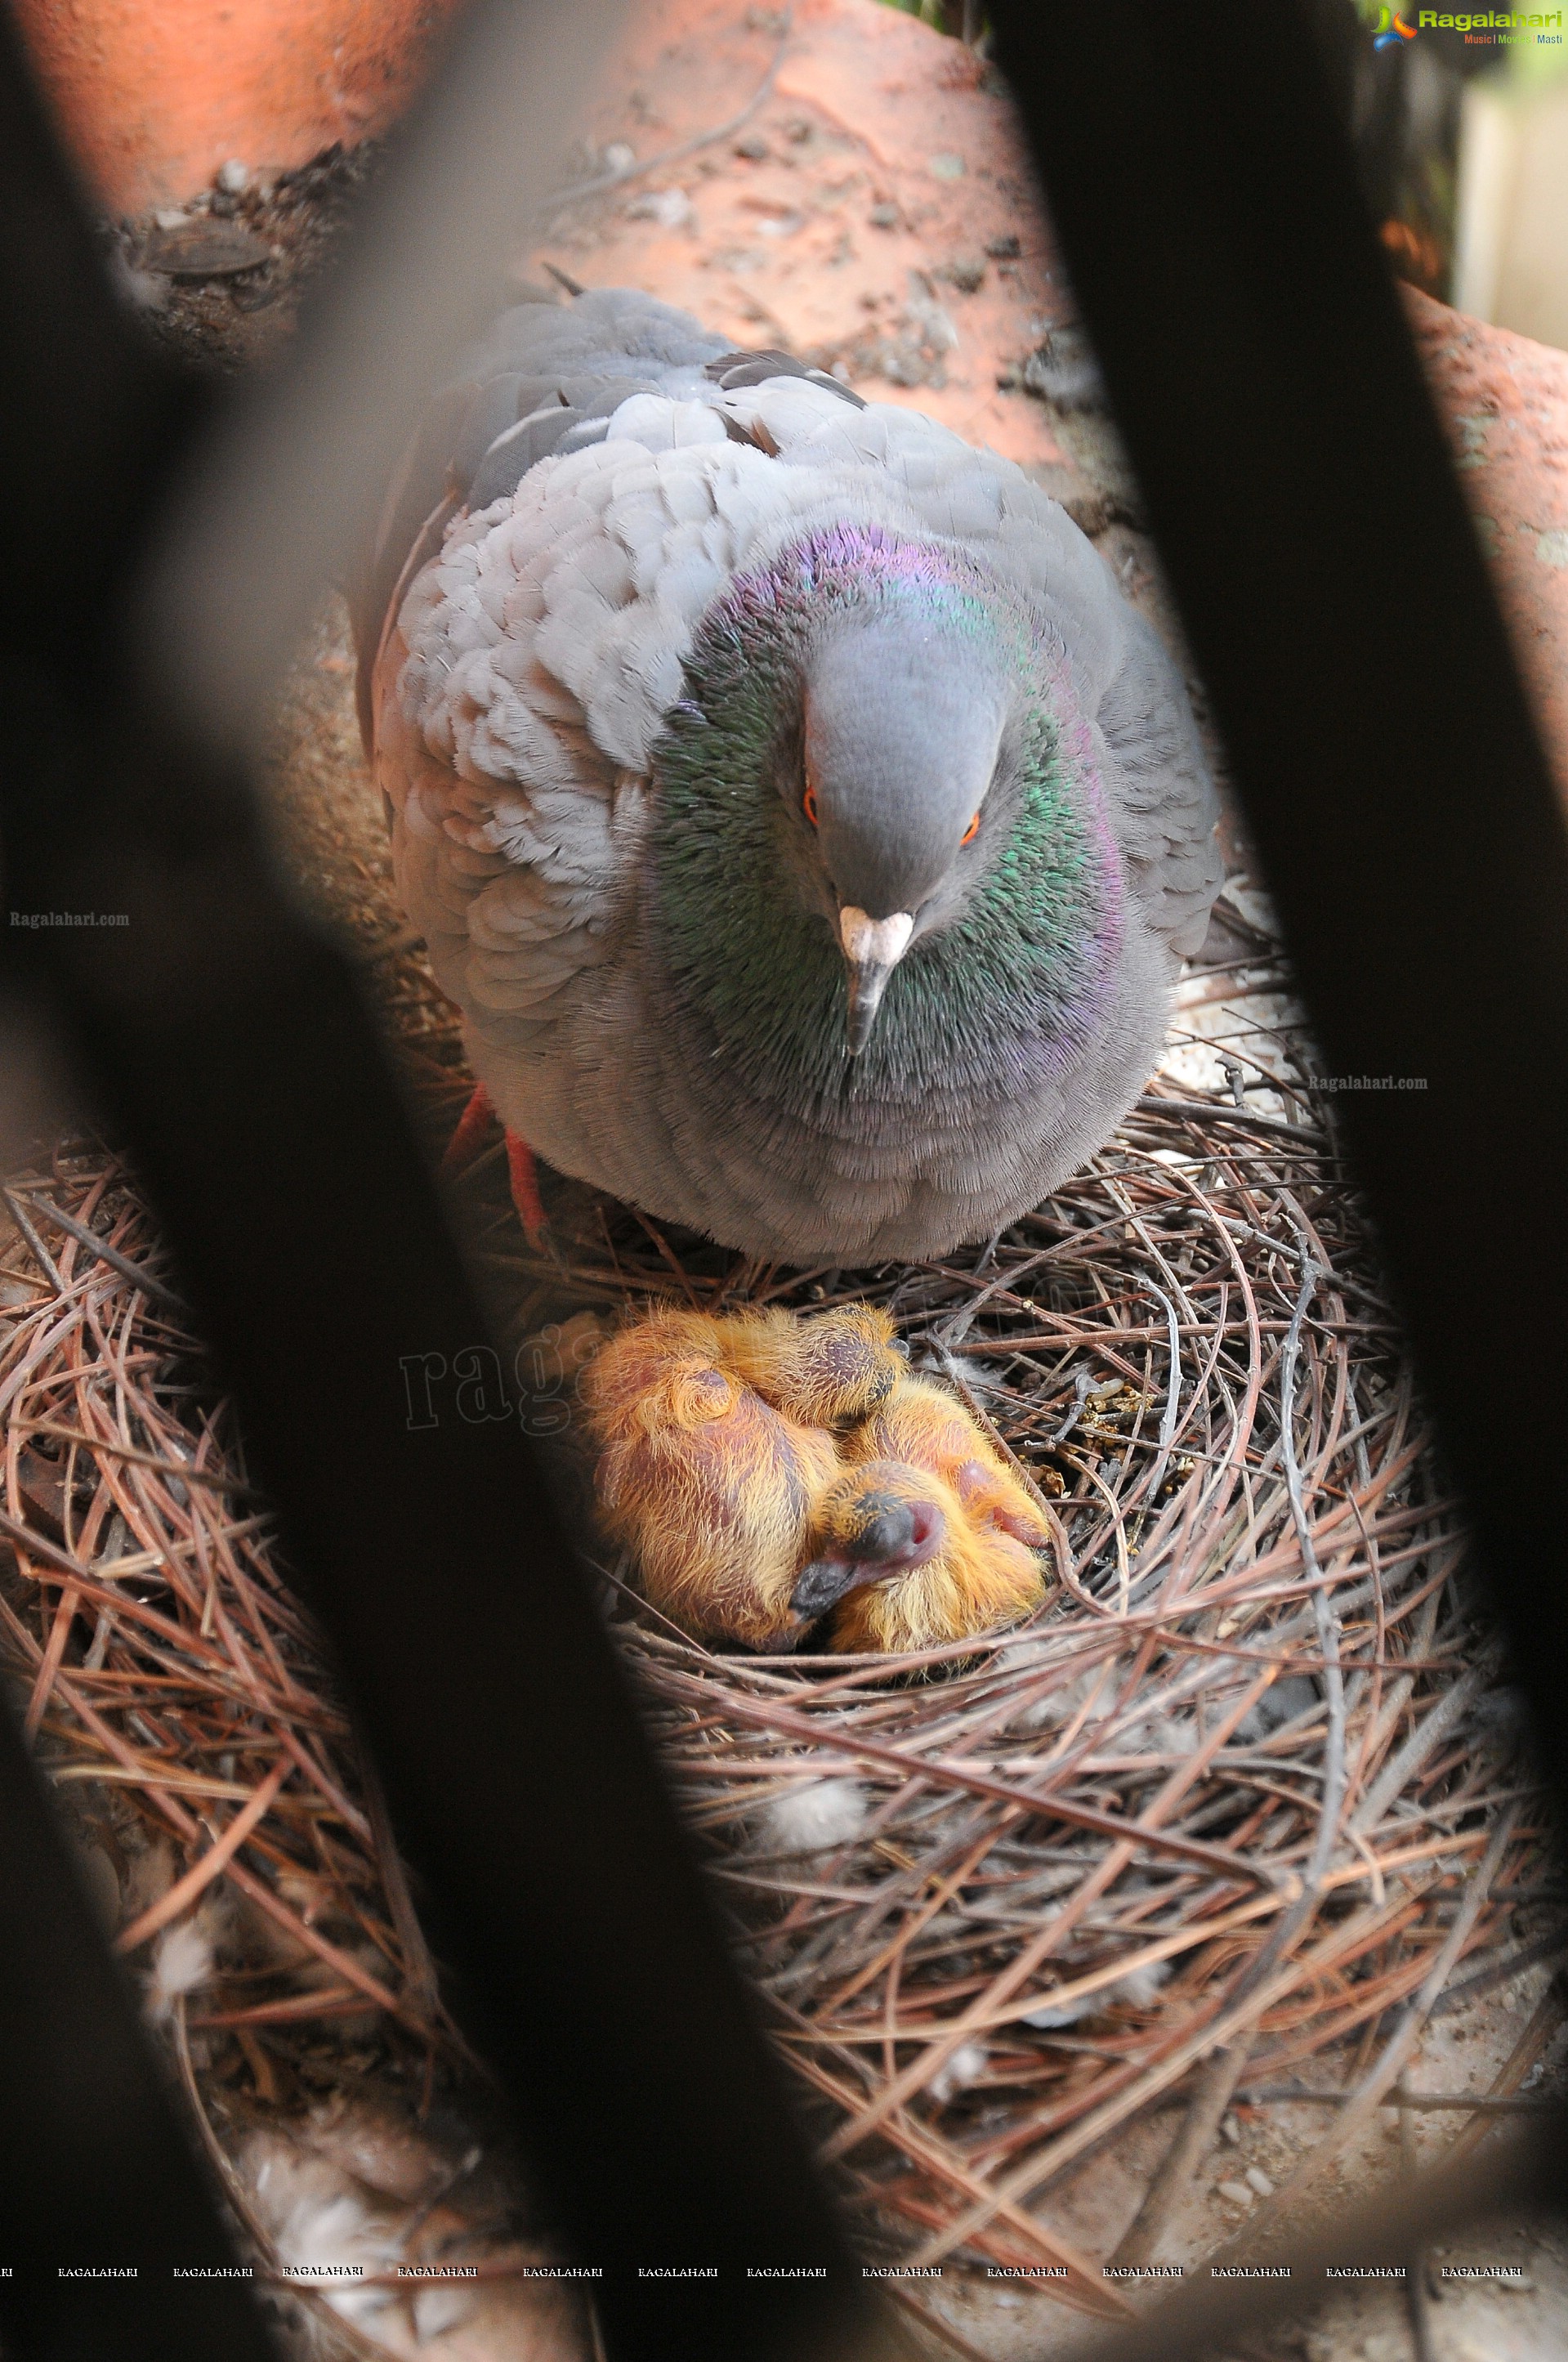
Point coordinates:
pixel 872 947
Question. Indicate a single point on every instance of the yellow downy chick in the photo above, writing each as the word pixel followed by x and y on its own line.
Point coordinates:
pixel 715 1447
pixel 928 1536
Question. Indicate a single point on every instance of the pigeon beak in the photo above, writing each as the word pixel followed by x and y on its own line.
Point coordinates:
pixel 873 948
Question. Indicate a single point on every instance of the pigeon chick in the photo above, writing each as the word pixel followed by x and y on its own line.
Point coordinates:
pixel 716 1437
pixel 806 826
pixel 767 1472
pixel 928 1536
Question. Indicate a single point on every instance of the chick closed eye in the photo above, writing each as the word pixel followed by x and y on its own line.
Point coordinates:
pixel 925 1426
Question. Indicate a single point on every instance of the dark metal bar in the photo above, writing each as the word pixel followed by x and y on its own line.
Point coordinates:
pixel 1299 2095
pixel 1333 588
pixel 96 2169
pixel 231 1046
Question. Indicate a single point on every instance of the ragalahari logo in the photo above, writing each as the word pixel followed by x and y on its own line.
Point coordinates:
pixel 1496 28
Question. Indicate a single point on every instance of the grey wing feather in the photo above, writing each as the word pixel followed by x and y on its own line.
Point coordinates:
pixel 545 378
pixel 1168 803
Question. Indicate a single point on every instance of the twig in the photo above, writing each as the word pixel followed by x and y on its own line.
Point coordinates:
pixel 146 1280
pixel 600 182
pixel 1365 2101
pixel 1303 2095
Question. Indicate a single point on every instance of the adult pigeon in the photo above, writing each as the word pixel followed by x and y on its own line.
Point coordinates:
pixel 806 826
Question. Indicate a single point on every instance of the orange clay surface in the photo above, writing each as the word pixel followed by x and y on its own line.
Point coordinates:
pixel 871 115
pixel 156 94
pixel 849 217
pixel 1505 401
pixel 889 161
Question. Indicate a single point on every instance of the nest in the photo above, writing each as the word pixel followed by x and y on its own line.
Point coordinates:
pixel 1248 1778
pixel 1231 1786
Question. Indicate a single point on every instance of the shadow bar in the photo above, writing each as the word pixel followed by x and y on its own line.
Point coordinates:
pixel 230 1047
pixel 1333 588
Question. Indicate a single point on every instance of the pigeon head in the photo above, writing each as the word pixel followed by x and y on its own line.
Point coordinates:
pixel 881 844
pixel 903 708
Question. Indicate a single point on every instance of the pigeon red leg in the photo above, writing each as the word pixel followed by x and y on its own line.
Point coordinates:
pixel 468 1138
pixel 523 1173
pixel 521 1170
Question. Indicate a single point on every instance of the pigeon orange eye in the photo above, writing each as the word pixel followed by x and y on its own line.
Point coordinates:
pixel 972 831
pixel 809 805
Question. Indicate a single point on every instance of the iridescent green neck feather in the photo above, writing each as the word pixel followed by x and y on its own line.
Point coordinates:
pixel 1005 994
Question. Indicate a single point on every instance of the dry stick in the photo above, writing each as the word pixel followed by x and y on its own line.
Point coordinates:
pixel 40 1253
pixel 254 1888
pixel 1396 1776
pixel 1047 1806
pixel 1246 1418
pixel 1383 1723
pixel 53 1658
pixel 1223 2071
pixel 602 182
pixel 1025 1962
pixel 1232 2020
pixel 133 1271
pixel 1216 1111
pixel 941 1892
pixel 332 1792
pixel 1502 1972
pixel 320 2001
pixel 1088 1337
pixel 1361 2109
pixel 202 1873
pixel 149 1619
pixel 1455 2103
pixel 142 1512
pixel 1084 2286
pixel 986 2019
pixel 51 1338
pixel 1173 1381
pixel 216 1478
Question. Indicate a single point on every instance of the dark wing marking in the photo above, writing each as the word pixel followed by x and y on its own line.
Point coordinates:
pixel 732 370
pixel 755 433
